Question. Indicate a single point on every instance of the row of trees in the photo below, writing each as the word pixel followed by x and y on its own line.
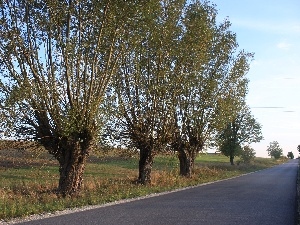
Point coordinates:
pixel 155 75
pixel 274 150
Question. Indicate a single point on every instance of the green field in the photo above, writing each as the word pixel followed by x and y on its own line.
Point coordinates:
pixel 28 180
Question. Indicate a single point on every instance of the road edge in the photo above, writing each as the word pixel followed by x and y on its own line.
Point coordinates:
pixel 90 207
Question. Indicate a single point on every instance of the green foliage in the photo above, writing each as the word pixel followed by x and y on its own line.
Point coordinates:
pixel 290 155
pixel 180 71
pixel 242 129
pixel 210 80
pixel 57 71
pixel 230 148
pixel 158 74
pixel 274 150
pixel 57 59
pixel 247 154
pixel 140 91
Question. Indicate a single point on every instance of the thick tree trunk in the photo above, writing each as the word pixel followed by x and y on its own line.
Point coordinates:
pixel 186 160
pixel 184 164
pixel 72 162
pixel 145 166
pixel 71 174
pixel 71 152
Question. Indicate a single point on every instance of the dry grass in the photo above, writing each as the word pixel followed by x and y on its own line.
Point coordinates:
pixel 29 179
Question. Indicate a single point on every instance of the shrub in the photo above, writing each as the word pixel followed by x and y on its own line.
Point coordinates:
pixel 247 154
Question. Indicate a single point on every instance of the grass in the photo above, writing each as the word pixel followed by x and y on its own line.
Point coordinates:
pixel 27 184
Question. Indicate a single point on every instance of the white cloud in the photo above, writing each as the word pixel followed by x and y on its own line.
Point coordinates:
pixel 283 45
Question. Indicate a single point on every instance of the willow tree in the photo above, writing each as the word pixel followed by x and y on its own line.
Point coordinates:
pixel 141 90
pixel 210 81
pixel 57 58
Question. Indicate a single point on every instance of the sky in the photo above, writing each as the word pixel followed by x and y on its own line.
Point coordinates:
pixel 270 29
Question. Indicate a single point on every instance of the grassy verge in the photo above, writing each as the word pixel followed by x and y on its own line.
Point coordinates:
pixel 298 196
pixel 27 185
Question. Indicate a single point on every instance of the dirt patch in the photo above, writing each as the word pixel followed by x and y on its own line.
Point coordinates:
pixel 23 154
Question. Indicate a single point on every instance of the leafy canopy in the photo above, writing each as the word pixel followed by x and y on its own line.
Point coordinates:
pixel 274 150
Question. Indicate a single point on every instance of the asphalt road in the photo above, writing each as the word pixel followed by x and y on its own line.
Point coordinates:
pixel 261 198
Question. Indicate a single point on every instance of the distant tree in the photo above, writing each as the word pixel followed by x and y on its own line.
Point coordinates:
pixel 290 155
pixel 298 148
pixel 247 154
pixel 242 129
pixel 274 150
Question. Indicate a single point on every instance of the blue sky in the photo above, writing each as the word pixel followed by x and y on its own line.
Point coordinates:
pixel 270 29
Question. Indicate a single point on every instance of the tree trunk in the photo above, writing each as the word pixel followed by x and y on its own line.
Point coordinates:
pixel 184 164
pixel 231 160
pixel 72 162
pixel 145 166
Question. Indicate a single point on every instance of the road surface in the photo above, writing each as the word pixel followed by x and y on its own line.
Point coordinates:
pixel 261 198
